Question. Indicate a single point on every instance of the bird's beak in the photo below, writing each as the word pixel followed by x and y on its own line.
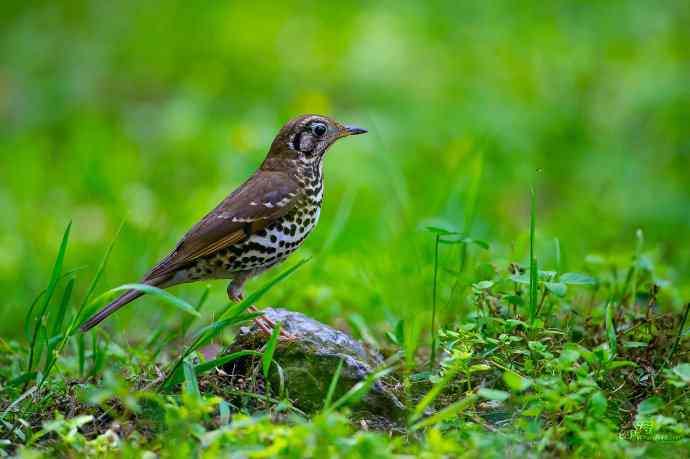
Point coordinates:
pixel 353 130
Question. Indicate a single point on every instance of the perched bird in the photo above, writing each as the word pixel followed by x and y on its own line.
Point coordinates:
pixel 258 225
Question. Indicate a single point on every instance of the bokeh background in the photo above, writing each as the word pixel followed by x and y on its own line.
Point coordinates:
pixel 149 113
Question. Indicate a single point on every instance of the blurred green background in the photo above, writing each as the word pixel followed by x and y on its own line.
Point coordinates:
pixel 151 112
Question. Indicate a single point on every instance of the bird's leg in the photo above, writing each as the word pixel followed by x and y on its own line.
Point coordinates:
pixel 235 292
pixel 265 324
pixel 236 295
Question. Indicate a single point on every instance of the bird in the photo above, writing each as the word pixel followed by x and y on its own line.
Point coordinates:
pixel 259 224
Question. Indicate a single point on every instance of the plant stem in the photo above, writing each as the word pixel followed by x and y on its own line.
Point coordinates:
pixel 463 256
pixel 541 303
pixel 433 305
pixel 533 272
pixel 679 335
pixel 636 263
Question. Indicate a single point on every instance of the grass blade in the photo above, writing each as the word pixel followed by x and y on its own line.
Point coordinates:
pixel 206 366
pixel 433 304
pixel 199 305
pixel 533 270
pixel 203 340
pixel 332 386
pixel 270 350
pixel 148 289
pixel 220 361
pixel 448 412
pixel 17 401
pixel 164 336
pixel 54 278
pixel 360 389
pixel 611 330
pixel 75 320
pixel 636 265
pixel 679 335
pixel 29 312
pixel 191 384
pixel 223 413
pixel 98 355
pixel 221 324
pixel 81 352
pixel 62 309
pixel 99 272
pixel 435 391
pixel 41 342
pixel 57 323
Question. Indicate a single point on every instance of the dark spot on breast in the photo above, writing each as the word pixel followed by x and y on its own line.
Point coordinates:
pixel 273 238
pixel 261 233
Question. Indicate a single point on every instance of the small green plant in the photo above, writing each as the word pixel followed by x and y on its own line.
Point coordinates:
pixel 544 364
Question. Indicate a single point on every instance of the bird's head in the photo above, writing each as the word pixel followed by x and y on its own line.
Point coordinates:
pixel 306 138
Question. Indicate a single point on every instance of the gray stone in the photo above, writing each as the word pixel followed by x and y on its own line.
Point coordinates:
pixel 310 361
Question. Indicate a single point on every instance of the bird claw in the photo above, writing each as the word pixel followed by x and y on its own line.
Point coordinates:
pixel 267 326
pixel 286 337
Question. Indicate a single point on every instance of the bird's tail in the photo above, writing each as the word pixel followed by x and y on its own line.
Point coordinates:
pixel 101 315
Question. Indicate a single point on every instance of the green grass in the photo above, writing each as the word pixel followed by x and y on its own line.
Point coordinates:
pixel 516 322
pixel 570 382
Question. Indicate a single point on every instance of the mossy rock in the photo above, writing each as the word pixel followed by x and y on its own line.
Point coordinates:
pixel 309 362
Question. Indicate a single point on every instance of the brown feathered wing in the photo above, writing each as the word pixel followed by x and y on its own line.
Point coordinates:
pixel 263 199
pixel 260 201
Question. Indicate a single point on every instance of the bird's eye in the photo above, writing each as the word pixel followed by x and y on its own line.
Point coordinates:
pixel 318 129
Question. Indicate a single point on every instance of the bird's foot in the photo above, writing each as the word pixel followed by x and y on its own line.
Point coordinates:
pixel 267 326
pixel 235 293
